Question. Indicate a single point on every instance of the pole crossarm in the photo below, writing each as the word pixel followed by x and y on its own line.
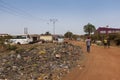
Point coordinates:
pixel 53 21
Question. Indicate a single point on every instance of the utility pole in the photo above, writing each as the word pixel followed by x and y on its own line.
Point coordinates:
pixel 53 21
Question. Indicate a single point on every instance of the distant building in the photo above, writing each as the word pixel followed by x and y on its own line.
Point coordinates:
pixel 52 38
pixel 3 35
pixel 35 37
pixel 48 38
pixel 58 38
pixel 107 30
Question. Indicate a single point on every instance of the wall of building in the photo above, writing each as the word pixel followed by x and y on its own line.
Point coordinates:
pixel 46 37
pixel 105 30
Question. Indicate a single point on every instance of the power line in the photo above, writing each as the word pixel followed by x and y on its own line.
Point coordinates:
pixel 17 12
pixel 9 7
pixel 9 12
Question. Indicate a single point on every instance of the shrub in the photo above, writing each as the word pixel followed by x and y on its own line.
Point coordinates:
pixel 11 47
pixel 112 36
pixel 117 40
pixel 20 50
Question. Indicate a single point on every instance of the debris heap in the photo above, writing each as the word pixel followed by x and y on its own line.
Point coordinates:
pixel 39 62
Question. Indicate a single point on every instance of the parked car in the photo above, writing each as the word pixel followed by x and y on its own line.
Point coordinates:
pixel 21 39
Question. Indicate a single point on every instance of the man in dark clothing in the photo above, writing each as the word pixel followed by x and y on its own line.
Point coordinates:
pixel 108 43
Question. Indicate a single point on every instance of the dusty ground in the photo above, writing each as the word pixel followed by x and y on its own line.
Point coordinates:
pixel 100 64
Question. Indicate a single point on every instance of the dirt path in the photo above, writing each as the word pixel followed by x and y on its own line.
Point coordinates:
pixel 101 64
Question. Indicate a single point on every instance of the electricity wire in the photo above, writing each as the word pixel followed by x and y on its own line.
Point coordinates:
pixel 5 7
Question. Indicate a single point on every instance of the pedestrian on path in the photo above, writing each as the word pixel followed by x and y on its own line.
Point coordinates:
pixel 88 44
pixel 105 43
pixel 108 42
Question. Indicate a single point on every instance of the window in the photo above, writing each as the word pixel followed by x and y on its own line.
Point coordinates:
pixel 19 37
pixel 109 31
pixel 117 31
pixel 102 31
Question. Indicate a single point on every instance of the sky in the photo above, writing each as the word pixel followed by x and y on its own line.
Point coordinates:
pixel 70 15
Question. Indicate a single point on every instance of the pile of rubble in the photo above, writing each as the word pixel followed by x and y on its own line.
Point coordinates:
pixel 39 62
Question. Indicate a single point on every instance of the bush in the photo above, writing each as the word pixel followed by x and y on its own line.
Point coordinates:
pixel 1 41
pixel 11 47
pixel 112 36
pixel 117 40
pixel 20 50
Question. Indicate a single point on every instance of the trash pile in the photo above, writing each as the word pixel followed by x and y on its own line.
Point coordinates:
pixel 40 62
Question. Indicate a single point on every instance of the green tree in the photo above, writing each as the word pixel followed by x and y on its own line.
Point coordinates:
pixel 89 28
pixel 68 34
pixel 47 33
pixel 3 39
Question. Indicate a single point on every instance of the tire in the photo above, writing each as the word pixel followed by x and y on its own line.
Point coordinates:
pixel 18 43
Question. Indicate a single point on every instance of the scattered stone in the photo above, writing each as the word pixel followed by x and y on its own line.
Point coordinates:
pixel 39 62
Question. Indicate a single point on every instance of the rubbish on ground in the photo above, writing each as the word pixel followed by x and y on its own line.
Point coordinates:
pixel 29 63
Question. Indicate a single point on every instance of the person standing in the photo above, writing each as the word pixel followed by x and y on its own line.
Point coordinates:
pixel 88 44
pixel 108 43
pixel 105 43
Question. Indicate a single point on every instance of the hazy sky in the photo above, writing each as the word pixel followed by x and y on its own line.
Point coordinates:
pixel 71 15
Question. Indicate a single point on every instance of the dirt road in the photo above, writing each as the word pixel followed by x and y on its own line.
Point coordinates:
pixel 100 64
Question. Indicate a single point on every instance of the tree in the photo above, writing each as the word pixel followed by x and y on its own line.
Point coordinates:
pixel 89 28
pixel 4 39
pixel 68 34
pixel 47 33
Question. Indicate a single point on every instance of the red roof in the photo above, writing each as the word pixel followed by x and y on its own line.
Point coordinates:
pixel 106 28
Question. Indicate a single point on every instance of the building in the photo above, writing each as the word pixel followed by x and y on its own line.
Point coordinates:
pixel 4 35
pixel 58 38
pixel 47 38
pixel 35 37
pixel 52 38
pixel 107 30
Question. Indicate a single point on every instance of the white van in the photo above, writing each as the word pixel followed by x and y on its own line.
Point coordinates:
pixel 21 39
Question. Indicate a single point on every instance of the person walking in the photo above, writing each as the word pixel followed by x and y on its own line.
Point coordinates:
pixel 88 44
pixel 108 43
pixel 105 42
